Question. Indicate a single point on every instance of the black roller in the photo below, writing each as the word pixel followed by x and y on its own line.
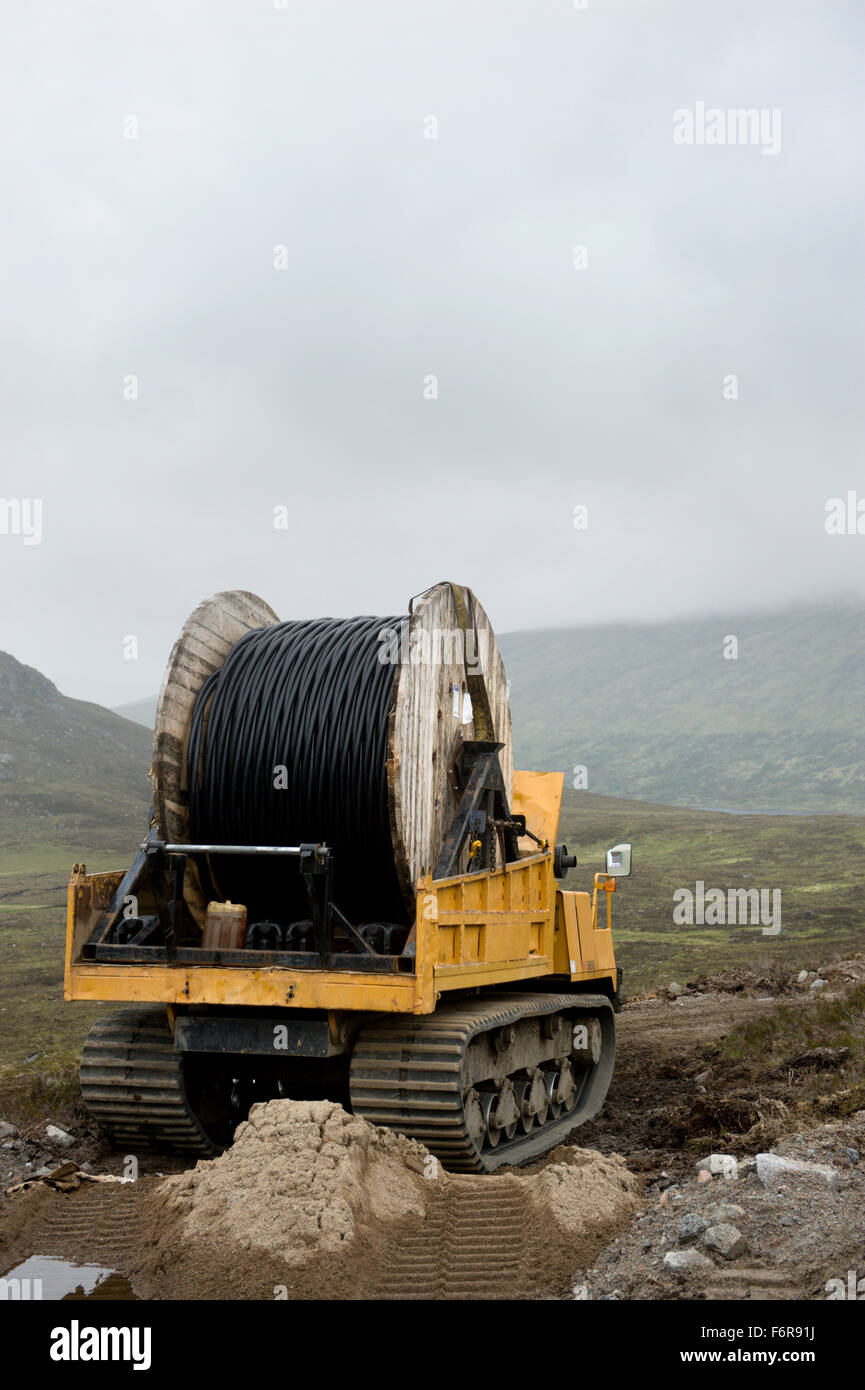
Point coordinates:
pixel 313 698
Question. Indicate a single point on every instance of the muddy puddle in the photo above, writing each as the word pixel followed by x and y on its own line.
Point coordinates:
pixel 50 1279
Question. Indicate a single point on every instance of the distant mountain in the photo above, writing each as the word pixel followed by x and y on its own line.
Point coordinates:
pixel 73 776
pixel 140 712
pixel 656 713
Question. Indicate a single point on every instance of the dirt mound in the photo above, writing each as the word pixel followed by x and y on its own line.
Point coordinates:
pixel 774 981
pixel 298 1179
pixel 338 1204
pixel 584 1193
pixel 743 980
pixel 311 1202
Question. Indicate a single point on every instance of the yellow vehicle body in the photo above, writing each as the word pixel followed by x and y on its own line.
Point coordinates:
pixel 511 924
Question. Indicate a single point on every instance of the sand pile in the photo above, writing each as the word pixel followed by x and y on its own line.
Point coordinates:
pixel 586 1193
pixel 356 1211
pixel 313 1203
pixel 298 1179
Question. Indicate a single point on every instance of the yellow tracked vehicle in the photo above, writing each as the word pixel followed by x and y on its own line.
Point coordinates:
pixel 345 890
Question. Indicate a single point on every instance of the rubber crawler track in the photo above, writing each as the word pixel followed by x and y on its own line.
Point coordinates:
pixel 132 1084
pixel 406 1074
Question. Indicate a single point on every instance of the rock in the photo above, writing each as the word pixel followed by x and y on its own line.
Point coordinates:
pixel 801 977
pixel 718 1163
pixel 703 1077
pixel 43 1172
pixel 704 1176
pixel 772 1170
pixel 720 1212
pixel 690 1227
pixel 60 1136
pixel 727 1240
pixel 685 1262
pixel 675 989
pixel 8 1131
pixel 816 985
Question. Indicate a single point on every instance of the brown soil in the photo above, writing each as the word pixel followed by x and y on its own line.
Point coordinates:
pixel 312 1203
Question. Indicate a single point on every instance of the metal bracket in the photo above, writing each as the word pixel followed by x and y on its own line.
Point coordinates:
pixel 164 863
pixel 127 886
pixel 484 801
pixel 316 865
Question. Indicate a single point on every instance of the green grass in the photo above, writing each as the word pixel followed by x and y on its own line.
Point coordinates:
pixel 764 1045
pixel 33 1015
pixel 675 846
pixel 789 1030
pixel 74 787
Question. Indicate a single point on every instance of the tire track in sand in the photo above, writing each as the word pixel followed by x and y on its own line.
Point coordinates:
pixel 472 1245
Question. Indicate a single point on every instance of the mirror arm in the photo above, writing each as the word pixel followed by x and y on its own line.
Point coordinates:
pixel 607 883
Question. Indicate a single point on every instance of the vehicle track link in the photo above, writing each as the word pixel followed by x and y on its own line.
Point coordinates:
pixel 133 1085
pixel 407 1074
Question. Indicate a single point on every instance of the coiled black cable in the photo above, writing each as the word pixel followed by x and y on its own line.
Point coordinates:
pixel 288 743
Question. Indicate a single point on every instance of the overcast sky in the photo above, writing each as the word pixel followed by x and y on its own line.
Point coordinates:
pixel 409 258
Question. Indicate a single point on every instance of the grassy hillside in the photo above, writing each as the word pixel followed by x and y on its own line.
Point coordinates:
pixel 73 776
pixel 818 863
pixel 73 786
pixel 657 713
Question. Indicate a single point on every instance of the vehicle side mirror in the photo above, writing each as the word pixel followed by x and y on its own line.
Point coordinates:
pixel 619 861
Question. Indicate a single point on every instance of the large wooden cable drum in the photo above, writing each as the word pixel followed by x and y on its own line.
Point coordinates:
pixel 205 640
pixel 384 701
